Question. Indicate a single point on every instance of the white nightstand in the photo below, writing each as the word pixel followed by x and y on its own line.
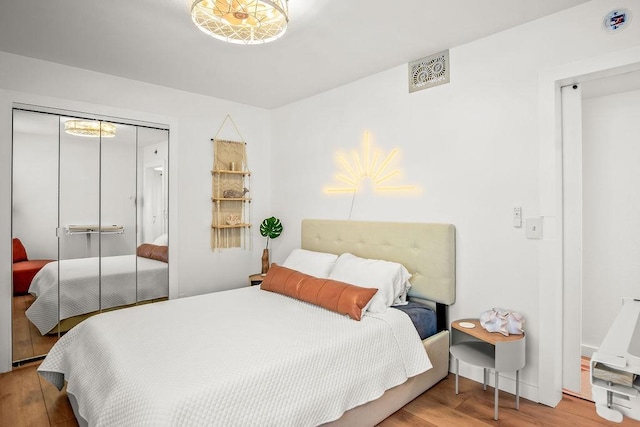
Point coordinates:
pixel 488 350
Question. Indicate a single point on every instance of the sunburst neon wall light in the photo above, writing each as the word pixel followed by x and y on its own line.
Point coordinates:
pixel 367 165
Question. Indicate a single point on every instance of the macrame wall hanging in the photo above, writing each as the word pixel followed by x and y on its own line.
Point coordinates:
pixel 230 192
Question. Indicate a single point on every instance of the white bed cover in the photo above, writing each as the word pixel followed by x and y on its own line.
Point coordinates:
pixel 80 288
pixel 244 357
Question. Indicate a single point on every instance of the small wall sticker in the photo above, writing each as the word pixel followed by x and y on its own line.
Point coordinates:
pixel 617 19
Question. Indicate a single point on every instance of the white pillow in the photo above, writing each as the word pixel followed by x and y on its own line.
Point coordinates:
pixel 162 240
pixel 390 278
pixel 317 264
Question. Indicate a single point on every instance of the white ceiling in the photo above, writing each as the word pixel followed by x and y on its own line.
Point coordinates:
pixel 328 43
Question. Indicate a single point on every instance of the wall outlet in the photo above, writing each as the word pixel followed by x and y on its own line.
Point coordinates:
pixel 534 228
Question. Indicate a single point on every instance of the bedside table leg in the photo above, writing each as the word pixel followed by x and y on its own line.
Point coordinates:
pixel 484 379
pixel 457 370
pixel 517 389
pixel 495 398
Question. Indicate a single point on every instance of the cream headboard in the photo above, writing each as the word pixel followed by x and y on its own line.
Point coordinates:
pixel 426 250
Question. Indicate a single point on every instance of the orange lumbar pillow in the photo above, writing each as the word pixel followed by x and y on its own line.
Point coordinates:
pixel 330 294
pixel 151 251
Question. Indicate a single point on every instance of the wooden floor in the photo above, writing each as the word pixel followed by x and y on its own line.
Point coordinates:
pixel 26 399
pixel 27 341
pixel 440 406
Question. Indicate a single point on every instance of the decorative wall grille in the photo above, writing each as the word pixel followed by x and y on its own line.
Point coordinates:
pixel 428 72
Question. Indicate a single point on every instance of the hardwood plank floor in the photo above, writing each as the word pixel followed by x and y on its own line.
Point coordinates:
pixel 26 399
pixel 473 406
pixel 27 340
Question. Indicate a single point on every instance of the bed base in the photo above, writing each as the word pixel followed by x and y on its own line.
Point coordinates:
pixel 372 413
pixel 66 324
pixel 392 400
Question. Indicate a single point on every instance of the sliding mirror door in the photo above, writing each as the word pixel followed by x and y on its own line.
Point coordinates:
pixel 34 222
pixel 118 225
pixel 153 183
pixel 90 198
pixel 153 208
pixel 79 216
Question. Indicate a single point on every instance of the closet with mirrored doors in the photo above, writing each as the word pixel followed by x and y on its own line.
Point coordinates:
pixel 89 222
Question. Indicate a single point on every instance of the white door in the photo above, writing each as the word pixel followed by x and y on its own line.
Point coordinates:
pixel 601 219
pixel 611 210
pixel 572 226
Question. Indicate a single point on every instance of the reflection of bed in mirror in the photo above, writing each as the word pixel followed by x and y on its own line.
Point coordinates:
pixel 123 281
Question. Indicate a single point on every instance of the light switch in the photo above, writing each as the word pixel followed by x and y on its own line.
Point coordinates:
pixel 534 228
pixel 517 217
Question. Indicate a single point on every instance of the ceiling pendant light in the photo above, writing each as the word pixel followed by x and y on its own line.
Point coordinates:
pixel 241 21
pixel 90 128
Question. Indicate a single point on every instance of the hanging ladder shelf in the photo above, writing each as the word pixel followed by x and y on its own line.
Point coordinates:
pixel 214 172
pixel 231 216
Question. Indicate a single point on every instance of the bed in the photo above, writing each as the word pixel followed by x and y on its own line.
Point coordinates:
pixel 291 362
pixel 123 280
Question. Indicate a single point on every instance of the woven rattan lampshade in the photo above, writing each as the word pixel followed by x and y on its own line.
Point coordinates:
pixel 241 21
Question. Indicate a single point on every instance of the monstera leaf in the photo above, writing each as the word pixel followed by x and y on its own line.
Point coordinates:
pixel 271 228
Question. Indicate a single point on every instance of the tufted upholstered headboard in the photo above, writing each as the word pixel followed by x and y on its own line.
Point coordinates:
pixel 426 250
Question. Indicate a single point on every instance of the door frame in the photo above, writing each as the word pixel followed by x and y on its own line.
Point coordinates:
pixel 60 114
pixel 551 260
pixel 572 234
pixel 15 99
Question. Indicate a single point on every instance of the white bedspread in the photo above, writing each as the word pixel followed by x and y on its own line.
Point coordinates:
pixel 81 292
pixel 244 357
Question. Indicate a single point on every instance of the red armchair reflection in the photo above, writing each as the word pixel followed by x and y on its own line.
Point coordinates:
pixel 24 269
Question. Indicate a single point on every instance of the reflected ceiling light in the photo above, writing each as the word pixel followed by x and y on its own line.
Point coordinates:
pixel 241 21
pixel 90 128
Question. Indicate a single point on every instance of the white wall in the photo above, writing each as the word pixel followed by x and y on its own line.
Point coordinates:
pixel 471 146
pixel 79 194
pixel 35 187
pixel 193 121
pixel 118 191
pixel 154 203
pixel 35 192
pixel 611 210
